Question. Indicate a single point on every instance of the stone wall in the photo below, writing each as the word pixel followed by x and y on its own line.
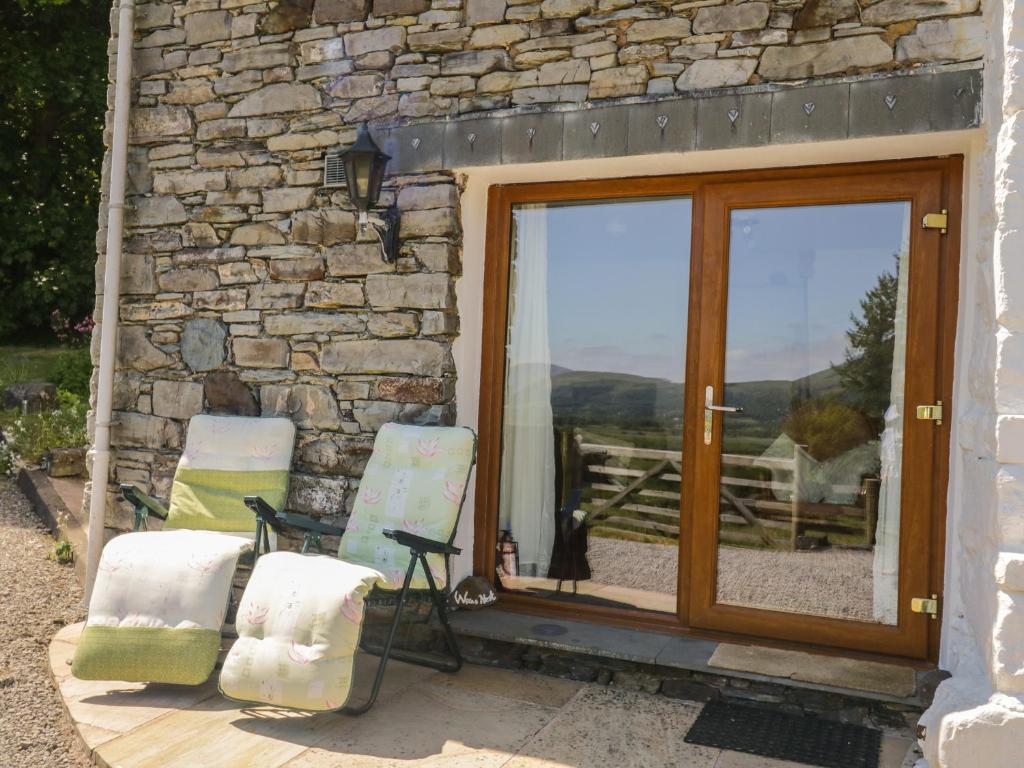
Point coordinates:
pixel 246 286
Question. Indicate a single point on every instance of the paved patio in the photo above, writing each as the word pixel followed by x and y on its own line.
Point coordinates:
pixel 481 717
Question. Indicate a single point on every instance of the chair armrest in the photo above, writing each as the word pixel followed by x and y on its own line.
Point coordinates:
pixel 263 511
pixel 420 544
pixel 278 520
pixel 142 501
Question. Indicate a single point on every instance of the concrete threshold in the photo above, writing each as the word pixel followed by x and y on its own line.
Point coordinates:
pixel 851 679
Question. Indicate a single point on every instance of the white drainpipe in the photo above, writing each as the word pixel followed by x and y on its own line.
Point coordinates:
pixel 111 289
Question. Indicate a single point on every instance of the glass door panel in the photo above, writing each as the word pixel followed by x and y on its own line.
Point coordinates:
pixel 815 349
pixel 589 490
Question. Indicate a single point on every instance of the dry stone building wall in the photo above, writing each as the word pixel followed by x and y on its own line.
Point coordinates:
pixel 247 288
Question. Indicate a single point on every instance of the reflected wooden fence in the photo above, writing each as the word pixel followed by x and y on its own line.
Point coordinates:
pixel 635 493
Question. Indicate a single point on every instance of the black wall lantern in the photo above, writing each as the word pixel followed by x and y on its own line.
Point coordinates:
pixel 364 174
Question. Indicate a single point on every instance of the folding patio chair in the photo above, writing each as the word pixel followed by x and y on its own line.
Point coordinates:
pixel 161 597
pixel 300 619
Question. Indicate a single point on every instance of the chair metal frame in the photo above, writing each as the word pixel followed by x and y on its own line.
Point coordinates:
pixel 419 547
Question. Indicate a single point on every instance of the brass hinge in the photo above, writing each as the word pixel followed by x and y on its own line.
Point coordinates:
pixel 931 412
pixel 939 221
pixel 929 605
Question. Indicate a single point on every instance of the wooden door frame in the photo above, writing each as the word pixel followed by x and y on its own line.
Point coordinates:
pixel 501 198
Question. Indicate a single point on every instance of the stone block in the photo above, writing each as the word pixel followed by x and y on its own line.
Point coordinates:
pixel 228 394
pixel 825 13
pixel 484 12
pixel 317 495
pixel 202 343
pixel 499 36
pixel 310 407
pixel 355 259
pixel 734 121
pixel 343 11
pixel 615 82
pixel 411 390
pixel 207 27
pixel 848 53
pixel 134 350
pixel 890 11
pixel 810 114
pixel 419 197
pixel 566 9
pixel 260 353
pixel 531 138
pixel 716 73
pixel 259 233
pixel 326 295
pixel 594 133
pixel 658 29
pixel 356 86
pixel 961 39
pixel 155 211
pixel 137 274
pixel 442 41
pixel 336 456
pixel 177 399
pixel 287 16
pixel 323 226
pixel 186 280
pixel 392 324
pixel 435 222
pixel 382 8
pixel 31 396
pixel 305 269
pixel 475 63
pixel 730 18
pixel 287 199
pixel 295 323
pixel 276 296
pixel 277 98
pixel 144 431
pixel 367 356
pixel 381 39
pixel 667 126
pixel 266 56
pixel 416 291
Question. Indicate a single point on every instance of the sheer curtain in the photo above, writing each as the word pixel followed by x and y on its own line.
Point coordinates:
pixel 527 495
pixel 887 532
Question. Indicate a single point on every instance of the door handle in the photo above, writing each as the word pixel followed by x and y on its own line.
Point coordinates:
pixel 709 412
pixel 709 396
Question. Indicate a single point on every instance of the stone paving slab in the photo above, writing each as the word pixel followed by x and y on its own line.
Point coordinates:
pixel 482 717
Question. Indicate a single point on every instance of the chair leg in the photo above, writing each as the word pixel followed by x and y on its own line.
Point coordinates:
pixel 442 614
pixel 386 652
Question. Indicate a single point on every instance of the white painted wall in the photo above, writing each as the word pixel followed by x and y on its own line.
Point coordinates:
pixel 957 643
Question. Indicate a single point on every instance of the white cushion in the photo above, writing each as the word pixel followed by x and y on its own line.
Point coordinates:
pixel 298 627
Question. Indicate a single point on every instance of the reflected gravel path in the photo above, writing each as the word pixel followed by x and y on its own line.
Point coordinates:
pixel 37 597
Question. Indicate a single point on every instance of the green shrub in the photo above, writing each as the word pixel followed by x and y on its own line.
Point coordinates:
pixel 72 371
pixel 27 438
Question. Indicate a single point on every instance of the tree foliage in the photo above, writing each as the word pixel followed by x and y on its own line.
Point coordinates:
pixel 52 101
pixel 866 373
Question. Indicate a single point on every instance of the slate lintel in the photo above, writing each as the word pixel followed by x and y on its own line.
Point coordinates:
pixel 750 116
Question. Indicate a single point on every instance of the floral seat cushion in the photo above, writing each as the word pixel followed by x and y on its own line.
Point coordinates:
pixel 298 626
pixel 415 481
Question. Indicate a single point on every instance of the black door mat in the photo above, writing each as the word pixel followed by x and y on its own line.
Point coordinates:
pixel 799 738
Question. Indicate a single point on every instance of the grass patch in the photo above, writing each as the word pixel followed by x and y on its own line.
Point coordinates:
pixel 67 367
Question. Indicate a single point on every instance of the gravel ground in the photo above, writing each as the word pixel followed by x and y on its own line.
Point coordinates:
pixel 37 597
pixel 831 582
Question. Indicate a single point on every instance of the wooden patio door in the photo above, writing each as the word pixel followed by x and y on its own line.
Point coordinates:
pixel 825 314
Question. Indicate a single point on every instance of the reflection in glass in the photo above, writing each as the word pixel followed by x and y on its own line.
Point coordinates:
pixel 592 423
pixel 815 348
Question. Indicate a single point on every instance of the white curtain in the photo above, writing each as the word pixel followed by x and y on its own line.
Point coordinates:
pixel 527 496
pixel 887 532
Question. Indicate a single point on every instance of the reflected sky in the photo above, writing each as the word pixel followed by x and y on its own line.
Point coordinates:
pixel 618 275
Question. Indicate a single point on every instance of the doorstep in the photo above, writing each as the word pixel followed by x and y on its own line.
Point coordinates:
pixel 699 669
